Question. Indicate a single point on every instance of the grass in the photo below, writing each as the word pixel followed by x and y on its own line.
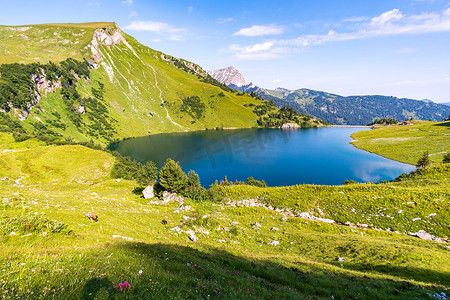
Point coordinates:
pixel 231 259
pixel 407 143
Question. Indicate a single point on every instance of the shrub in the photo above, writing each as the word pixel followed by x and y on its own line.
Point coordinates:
pixel 349 181
pixel 129 169
pixel 446 159
pixel 194 189
pixel 424 161
pixel 254 182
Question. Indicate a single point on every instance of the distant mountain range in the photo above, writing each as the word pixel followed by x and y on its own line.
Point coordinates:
pixel 336 109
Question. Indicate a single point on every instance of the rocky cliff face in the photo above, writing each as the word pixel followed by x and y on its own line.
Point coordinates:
pixel 234 79
pixel 229 76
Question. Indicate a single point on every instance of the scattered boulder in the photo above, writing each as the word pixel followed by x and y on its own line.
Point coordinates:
pixel 116 236
pixel 81 109
pixel 256 225
pixel 169 197
pixel 191 234
pixel 92 217
pixel 148 192
pixel 164 222
pixel 274 243
pixel 422 234
pixel 274 229
pixel 308 216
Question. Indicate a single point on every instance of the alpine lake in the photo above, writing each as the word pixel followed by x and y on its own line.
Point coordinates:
pixel 280 157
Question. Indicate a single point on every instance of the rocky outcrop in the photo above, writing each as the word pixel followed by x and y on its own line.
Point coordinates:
pixel 229 76
pixel 422 234
pixel 290 126
pixel 170 197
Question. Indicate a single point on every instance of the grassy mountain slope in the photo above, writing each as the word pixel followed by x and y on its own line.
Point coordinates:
pixel 355 110
pixel 143 90
pixel 407 143
pixel 56 252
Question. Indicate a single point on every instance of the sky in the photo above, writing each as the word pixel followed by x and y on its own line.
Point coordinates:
pixel 347 47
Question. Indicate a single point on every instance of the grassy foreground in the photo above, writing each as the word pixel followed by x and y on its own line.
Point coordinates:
pixel 50 250
pixel 407 143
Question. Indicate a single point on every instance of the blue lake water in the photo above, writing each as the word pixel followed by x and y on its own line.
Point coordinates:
pixel 280 157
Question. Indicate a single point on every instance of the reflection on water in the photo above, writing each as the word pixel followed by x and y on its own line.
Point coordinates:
pixel 280 157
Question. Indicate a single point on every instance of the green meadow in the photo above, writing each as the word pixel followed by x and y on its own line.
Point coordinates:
pixel 50 250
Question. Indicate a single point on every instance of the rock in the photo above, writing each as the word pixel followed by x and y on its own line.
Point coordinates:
pixel 191 234
pixel 148 192
pixel 256 225
pixel 164 222
pixel 308 216
pixel 93 64
pixel 290 126
pixel 431 215
pixel 12 233
pixel 422 234
pixel 274 243
pixel 274 229
pixel 168 197
pixel 81 109
pixel 416 219
pixel 341 259
pixel 115 236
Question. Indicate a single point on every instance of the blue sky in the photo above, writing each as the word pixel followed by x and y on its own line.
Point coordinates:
pixel 347 47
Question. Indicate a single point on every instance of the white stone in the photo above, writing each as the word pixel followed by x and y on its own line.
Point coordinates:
pixel 148 192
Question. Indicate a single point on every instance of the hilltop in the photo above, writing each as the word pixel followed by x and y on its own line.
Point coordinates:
pixel 93 82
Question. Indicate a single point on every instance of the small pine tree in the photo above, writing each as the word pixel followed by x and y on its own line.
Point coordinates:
pixel 147 173
pixel 194 189
pixel 424 161
pixel 446 159
pixel 172 178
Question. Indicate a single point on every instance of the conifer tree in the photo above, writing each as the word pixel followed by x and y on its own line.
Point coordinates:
pixel 172 178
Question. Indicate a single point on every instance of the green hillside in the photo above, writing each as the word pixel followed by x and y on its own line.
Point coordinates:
pixel 50 250
pixel 407 143
pixel 130 89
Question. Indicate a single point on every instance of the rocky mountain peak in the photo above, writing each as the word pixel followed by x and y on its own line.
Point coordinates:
pixel 229 76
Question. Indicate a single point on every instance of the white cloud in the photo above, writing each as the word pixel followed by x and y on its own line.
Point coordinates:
pixel 276 80
pixel 259 30
pixel 133 14
pixel 392 22
pixel 127 2
pixel 224 20
pixel 356 19
pixel 389 23
pixel 160 28
pixel 190 10
pixel 94 3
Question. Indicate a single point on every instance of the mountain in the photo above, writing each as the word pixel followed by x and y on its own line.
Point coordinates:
pixel 336 109
pixel 446 103
pixel 92 82
pixel 355 110
pixel 234 79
